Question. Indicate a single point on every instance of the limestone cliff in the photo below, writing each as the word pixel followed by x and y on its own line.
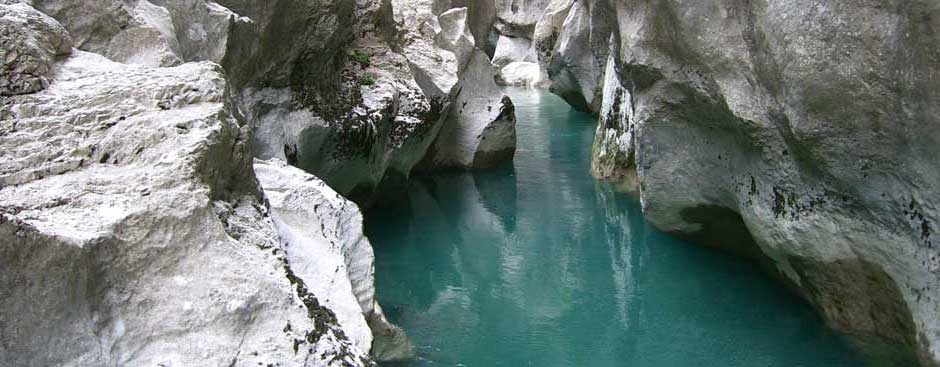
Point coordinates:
pixel 133 232
pixel 801 133
pixel 478 126
pixel 133 229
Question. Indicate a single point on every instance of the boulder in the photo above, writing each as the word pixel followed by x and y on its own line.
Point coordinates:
pixel 514 49
pixel 133 232
pixel 523 74
pixel 137 32
pixel 478 130
pixel 31 42
pixel 578 58
pixel 322 232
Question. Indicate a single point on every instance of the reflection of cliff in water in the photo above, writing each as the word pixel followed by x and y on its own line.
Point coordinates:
pixel 538 264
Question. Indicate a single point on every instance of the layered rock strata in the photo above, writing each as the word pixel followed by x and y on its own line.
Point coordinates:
pixel 130 210
pixel 133 231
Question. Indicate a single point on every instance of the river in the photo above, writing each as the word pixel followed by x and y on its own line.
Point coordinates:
pixel 537 264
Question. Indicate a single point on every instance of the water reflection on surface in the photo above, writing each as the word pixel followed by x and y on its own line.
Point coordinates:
pixel 536 264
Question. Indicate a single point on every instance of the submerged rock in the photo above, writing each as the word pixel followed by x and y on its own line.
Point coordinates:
pixel 132 231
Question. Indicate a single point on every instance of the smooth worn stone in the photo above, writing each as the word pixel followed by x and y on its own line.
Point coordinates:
pixel 815 123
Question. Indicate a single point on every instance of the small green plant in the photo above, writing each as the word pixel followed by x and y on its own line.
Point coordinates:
pixel 361 57
pixel 367 79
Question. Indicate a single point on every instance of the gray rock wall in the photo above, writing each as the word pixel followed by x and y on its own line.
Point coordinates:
pixel 31 42
pixel 811 125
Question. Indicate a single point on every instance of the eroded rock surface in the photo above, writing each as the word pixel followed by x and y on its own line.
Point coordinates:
pixel 478 129
pixel 807 127
pixel 30 42
pixel 311 218
pixel 133 232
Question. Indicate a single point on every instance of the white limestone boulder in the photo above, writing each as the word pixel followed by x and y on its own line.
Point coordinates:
pixel 523 74
pixel 479 126
pixel 514 49
pixel 31 42
pixel 480 130
pixel 132 230
pixel 322 234
pixel 128 32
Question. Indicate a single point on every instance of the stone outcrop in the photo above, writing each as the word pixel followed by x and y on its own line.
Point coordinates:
pixel 84 205
pixel 30 42
pixel 342 104
pixel 478 128
pixel 515 54
pixel 337 100
pixel 311 218
pixel 137 32
pixel 133 232
pixel 578 51
pixel 799 133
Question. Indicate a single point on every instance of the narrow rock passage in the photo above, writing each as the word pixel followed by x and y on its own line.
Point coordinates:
pixel 538 264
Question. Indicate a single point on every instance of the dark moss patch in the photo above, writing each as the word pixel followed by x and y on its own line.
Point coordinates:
pixel 323 318
pixel 546 46
pixel 360 57
pixel 290 152
pixel 638 77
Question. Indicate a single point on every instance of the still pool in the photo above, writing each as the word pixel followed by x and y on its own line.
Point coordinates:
pixel 537 264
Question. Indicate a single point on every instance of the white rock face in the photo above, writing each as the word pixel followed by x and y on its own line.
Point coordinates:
pixel 128 32
pixel 577 62
pixel 519 16
pixel 31 42
pixel 547 29
pixel 435 69
pixel 514 49
pixel 129 208
pixel 201 28
pixel 322 234
pixel 523 74
pixel 480 130
pixel 479 126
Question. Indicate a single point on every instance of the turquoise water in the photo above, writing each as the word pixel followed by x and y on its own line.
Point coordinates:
pixel 537 264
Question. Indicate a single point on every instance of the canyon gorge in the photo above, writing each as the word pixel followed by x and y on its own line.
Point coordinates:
pixel 185 182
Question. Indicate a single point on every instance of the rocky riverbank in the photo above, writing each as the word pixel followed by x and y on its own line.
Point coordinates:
pixel 801 133
pixel 137 226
